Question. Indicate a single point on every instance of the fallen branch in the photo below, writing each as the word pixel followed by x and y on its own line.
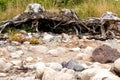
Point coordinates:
pixel 65 21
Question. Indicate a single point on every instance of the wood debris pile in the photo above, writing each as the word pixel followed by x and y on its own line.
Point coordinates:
pixel 67 21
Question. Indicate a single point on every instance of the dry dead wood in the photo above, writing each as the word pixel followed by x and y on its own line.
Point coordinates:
pixel 107 26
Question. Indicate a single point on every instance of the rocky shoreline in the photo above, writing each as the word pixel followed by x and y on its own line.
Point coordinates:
pixel 59 57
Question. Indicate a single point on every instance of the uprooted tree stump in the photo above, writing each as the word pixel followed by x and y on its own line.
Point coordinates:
pixel 39 19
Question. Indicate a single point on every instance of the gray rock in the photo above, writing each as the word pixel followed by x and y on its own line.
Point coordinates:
pixel 47 37
pixel 70 64
pixel 109 16
pixel 78 68
pixel 36 8
pixel 55 66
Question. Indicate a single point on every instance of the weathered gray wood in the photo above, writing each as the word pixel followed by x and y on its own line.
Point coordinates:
pixel 64 21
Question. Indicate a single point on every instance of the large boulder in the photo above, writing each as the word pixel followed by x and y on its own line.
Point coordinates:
pixel 104 54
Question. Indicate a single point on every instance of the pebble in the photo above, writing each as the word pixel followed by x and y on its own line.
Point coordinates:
pixel 75 49
pixel 29 59
pixel 78 68
pixel 26 43
pixel 3 75
pixel 55 66
pixel 47 37
pixel 17 54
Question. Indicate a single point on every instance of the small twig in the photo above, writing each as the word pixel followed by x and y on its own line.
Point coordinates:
pixel 57 25
pixel 77 33
pixel 3 26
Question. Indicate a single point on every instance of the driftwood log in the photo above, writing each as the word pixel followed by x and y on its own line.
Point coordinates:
pixel 67 21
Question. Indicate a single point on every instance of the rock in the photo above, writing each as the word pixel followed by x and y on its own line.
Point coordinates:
pixel 40 67
pixel 17 54
pixel 109 16
pixel 106 76
pixel 8 66
pixel 49 74
pixel 23 32
pixel 116 67
pixel 62 75
pixel 11 48
pixel 35 7
pixel 75 49
pixel 97 74
pixel 16 62
pixel 88 50
pixel 70 64
pixel 55 66
pixel 38 49
pixel 4 66
pixel 53 52
pixel 105 54
pixel 66 37
pixel 78 68
pixel 4 52
pixel 29 59
pixel 15 43
pixel 47 37
pixel 26 43
pixel 36 35
pixel 84 56
pixel 65 76
pixel 3 75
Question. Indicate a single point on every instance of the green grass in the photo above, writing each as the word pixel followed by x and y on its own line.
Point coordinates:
pixel 84 8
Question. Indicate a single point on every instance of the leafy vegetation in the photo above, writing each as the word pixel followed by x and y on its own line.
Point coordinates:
pixel 84 8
